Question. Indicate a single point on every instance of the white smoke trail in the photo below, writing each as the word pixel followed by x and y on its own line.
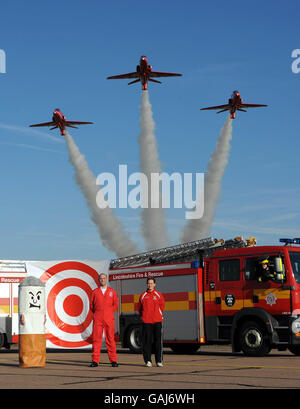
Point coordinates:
pixel 153 219
pixel 201 228
pixel 110 229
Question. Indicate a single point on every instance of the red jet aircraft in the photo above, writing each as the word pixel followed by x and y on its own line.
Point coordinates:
pixel 235 103
pixel 144 74
pixel 59 121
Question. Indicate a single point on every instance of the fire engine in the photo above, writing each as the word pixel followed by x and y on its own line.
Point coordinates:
pixel 213 295
pixel 12 272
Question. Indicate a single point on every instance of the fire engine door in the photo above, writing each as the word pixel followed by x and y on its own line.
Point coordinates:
pixel 228 287
pixel 272 296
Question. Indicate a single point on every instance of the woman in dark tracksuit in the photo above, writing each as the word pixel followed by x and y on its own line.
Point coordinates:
pixel 151 307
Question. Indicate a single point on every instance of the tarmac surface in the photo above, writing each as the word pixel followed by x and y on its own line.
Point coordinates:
pixel 213 367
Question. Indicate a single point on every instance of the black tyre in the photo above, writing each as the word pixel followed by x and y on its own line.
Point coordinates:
pixel 134 338
pixel 2 339
pixel 294 349
pixel 254 339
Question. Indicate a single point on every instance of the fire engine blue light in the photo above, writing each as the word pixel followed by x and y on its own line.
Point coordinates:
pixel 292 241
pixel 195 264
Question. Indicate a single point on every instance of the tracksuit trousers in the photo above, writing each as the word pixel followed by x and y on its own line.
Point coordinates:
pixel 152 336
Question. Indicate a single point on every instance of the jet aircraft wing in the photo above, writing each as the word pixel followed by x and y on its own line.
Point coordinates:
pixel 252 105
pixel 76 123
pixel 43 124
pixel 217 107
pixel 121 76
pixel 163 74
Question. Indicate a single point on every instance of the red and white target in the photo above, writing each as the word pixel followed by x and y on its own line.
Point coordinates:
pixel 69 286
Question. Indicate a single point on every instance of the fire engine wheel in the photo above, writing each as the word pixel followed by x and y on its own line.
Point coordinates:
pixel 133 339
pixel 254 339
pixel 2 339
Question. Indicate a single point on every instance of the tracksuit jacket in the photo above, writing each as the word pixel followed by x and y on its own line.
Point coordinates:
pixel 103 307
pixel 151 307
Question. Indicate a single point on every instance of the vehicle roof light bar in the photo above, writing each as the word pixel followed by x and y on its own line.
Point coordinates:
pixel 290 241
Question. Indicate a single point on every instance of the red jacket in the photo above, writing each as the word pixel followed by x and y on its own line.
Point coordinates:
pixel 104 306
pixel 151 306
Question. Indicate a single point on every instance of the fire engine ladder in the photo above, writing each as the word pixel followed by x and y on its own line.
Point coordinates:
pixel 190 251
pixel 13 266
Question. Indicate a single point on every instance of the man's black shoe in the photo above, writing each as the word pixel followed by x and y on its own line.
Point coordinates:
pixel 114 364
pixel 93 364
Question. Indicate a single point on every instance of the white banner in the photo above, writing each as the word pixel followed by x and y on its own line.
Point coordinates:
pixel 68 287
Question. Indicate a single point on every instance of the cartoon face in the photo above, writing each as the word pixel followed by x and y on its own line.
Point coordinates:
pixel 35 300
pixel 32 299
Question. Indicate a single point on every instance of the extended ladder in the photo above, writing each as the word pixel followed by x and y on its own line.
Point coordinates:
pixel 182 252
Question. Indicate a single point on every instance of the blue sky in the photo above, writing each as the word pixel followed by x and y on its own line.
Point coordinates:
pixel 59 55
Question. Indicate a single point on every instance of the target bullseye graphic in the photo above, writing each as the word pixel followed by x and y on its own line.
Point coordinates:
pixel 68 289
pixel 73 305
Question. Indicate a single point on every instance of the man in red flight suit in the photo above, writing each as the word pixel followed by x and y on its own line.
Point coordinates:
pixel 151 307
pixel 104 302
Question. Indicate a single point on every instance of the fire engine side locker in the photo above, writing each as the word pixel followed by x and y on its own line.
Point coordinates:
pixel 182 287
pixel 181 312
pixel 5 313
pixel 11 274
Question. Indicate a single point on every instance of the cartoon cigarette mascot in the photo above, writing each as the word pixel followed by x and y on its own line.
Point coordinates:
pixel 32 337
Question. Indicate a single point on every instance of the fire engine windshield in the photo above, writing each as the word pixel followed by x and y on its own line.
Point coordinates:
pixel 295 262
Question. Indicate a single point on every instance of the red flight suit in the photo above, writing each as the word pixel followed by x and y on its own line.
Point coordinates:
pixel 103 308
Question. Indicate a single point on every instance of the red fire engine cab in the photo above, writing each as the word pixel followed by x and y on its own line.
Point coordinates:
pixel 216 291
